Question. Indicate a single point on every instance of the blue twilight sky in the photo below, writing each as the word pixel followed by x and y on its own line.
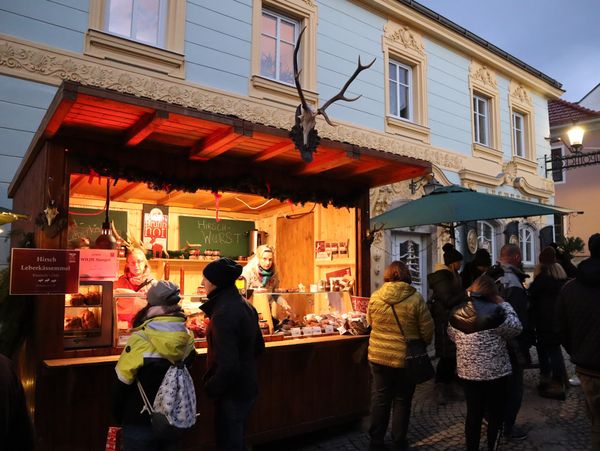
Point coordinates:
pixel 560 38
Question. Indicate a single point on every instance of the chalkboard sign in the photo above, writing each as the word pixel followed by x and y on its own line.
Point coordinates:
pixel 87 223
pixel 229 237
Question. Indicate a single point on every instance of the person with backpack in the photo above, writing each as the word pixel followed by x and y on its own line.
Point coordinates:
pixel 159 339
pixel 234 342
pixel 480 328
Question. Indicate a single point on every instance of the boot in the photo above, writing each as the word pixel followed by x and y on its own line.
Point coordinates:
pixel 441 394
pixel 554 390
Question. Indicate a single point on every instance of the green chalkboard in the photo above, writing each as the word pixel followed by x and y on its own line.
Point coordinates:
pixel 87 223
pixel 229 237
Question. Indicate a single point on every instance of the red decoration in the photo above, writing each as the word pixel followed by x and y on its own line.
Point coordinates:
pixel 94 174
pixel 217 198
pixel 289 201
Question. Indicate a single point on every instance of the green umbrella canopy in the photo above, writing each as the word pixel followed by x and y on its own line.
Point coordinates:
pixel 7 216
pixel 455 204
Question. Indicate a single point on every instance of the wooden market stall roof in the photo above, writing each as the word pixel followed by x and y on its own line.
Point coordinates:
pixel 174 148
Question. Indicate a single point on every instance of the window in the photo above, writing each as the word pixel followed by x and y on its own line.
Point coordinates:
pixel 559 228
pixel 139 20
pixel 276 25
pixel 277 43
pixel 140 33
pixel 481 119
pixel 558 174
pixel 486 238
pixel 405 81
pixel 526 243
pixel 519 134
pixel 400 90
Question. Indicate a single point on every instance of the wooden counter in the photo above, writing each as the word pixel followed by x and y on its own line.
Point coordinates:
pixel 305 384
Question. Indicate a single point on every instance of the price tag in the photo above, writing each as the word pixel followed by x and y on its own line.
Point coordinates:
pixel 316 330
pixel 307 331
pixel 329 329
pixel 296 331
pixel 342 330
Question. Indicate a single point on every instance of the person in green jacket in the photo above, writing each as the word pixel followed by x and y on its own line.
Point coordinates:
pixel 387 353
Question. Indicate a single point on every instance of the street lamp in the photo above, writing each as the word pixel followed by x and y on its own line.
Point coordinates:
pixel 575 135
pixel 427 182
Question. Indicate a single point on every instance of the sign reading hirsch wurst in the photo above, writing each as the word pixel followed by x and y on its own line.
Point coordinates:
pixel 44 271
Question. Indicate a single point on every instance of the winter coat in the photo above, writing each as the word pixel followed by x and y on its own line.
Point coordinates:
pixel 147 356
pixel 387 345
pixel 579 316
pixel 482 352
pixel 16 430
pixel 234 343
pixel 446 286
pixel 469 274
pixel 543 292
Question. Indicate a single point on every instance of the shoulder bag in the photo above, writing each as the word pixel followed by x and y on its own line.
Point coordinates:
pixel 417 364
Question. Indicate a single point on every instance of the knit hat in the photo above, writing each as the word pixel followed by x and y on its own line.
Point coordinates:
pixel 548 256
pixel 594 245
pixel 163 292
pixel 222 272
pixel 451 255
pixel 482 258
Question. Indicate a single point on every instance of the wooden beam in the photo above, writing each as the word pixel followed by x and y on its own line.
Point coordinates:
pixel 172 196
pixel 274 150
pixel 61 112
pixel 144 127
pixel 325 163
pixel 125 190
pixel 210 203
pixel 76 183
pixel 219 142
pixel 367 166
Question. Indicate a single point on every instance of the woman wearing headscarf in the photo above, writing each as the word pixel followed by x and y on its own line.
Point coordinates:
pixel 159 337
pixel 387 352
pixel 480 328
pixel 447 292
pixel 549 278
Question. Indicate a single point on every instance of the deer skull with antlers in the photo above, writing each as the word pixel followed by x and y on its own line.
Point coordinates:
pixel 303 133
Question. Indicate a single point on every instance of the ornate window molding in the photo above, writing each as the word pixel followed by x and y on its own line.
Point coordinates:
pixel 168 60
pixel 403 45
pixel 482 83
pixel 305 12
pixel 519 101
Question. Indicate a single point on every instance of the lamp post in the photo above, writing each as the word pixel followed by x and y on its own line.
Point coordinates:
pixel 575 135
pixel 427 182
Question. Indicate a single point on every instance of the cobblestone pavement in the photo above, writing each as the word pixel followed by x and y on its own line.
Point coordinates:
pixel 553 425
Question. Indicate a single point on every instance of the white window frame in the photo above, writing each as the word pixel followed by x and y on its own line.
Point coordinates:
pixel 162 23
pixel 279 18
pixel 527 238
pixel 408 87
pixel 480 230
pixel 519 141
pixel 477 99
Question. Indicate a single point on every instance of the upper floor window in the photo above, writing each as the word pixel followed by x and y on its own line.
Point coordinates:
pixel 400 90
pixel 277 43
pixel 481 119
pixel 139 20
pixel 527 245
pixel 486 238
pixel 558 174
pixel 518 122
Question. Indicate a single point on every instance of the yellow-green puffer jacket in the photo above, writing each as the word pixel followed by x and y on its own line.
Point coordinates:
pixel 386 344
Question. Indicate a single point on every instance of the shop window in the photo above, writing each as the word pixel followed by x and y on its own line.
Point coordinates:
pixel 486 238
pixel 276 25
pixel 527 244
pixel 405 83
pixel 558 173
pixel 485 113
pixel 141 33
pixel 518 125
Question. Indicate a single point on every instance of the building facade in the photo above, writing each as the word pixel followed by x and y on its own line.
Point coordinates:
pixel 435 91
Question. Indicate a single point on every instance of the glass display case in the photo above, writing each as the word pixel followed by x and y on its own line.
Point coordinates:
pixel 89 315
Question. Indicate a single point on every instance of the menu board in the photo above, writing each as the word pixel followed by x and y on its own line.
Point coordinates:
pixel 228 236
pixel 87 223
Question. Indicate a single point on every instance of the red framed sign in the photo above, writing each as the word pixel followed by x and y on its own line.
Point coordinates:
pixel 44 271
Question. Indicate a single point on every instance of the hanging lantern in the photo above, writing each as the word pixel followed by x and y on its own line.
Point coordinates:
pixel 106 240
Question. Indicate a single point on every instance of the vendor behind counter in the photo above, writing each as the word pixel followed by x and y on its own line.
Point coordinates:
pixel 137 278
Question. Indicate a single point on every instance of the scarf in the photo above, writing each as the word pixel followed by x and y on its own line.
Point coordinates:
pixel 137 281
pixel 266 275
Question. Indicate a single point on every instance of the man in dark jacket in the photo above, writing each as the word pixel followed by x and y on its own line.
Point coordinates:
pixel 578 320
pixel 513 291
pixel 234 343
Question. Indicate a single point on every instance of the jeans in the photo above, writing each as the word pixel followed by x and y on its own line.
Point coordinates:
pixel 591 390
pixel 231 414
pixel 552 362
pixel 141 438
pixel 514 397
pixel 484 397
pixel 445 370
pixel 390 391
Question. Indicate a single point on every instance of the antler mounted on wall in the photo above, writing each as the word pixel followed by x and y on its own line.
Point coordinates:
pixel 303 133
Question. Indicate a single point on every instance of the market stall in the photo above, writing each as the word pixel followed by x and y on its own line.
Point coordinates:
pixel 193 186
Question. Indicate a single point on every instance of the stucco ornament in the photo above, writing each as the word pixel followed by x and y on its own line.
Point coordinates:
pixel 483 75
pixel 521 95
pixel 509 169
pixel 404 36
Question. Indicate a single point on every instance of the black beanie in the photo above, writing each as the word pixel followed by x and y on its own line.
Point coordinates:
pixel 482 258
pixel 594 245
pixel 222 272
pixel 451 255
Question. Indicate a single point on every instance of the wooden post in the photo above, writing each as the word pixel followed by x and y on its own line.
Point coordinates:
pixel 363 251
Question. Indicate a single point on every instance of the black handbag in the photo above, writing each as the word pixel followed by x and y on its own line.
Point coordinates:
pixel 417 365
